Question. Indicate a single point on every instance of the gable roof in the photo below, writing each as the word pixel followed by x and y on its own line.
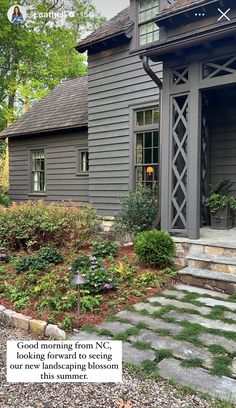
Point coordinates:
pixel 65 107
pixel 114 27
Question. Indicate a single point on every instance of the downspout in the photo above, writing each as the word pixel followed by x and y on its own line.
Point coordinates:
pixel 159 83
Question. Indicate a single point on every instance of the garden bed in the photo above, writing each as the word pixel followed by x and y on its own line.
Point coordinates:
pixel 45 291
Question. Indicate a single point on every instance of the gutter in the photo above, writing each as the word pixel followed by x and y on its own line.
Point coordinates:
pixel 159 83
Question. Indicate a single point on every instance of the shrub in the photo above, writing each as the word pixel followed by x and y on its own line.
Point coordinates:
pixel 154 247
pixel 138 212
pixel 29 263
pixel 35 224
pixel 104 248
pixel 51 255
pixel 4 199
pixel 67 323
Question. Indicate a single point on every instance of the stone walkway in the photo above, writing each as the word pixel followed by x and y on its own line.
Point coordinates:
pixel 187 334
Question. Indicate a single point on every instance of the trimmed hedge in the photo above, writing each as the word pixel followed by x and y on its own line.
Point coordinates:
pixel 154 247
pixel 33 224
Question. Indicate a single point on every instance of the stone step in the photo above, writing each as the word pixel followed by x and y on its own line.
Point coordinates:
pixel 220 263
pixel 209 279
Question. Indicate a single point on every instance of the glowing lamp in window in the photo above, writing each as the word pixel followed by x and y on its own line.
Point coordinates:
pixel 149 170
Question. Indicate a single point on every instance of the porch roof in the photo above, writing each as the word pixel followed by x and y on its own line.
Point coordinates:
pixel 65 107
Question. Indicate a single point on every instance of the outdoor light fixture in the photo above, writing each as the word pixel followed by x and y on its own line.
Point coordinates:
pixel 149 170
pixel 77 281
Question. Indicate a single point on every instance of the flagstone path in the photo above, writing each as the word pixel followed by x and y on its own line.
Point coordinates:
pixel 187 334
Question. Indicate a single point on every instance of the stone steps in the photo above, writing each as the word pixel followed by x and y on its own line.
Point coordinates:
pixel 201 260
pixel 209 279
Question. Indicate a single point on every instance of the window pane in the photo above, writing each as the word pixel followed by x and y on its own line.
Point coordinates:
pixel 155 139
pixel 148 117
pixel 139 118
pixel 38 170
pixel 84 162
pixel 155 155
pixel 148 139
pixel 155 115
pixel 147 156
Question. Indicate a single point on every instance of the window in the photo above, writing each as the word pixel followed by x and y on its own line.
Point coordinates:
pixel 83 161
pixel 38 171
pixel 146 146
pixel 148 30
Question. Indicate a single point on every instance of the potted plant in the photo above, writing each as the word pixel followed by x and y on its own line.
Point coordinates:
pixel 221 206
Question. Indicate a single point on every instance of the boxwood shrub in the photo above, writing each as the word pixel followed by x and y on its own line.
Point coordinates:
pixel 154 247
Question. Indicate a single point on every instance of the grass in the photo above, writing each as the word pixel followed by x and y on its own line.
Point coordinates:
pixel 221 366
pixel 104 332
pixel 217 349
pixel 142 345
pixel 163 332
pixel 190 333
pixel 89 329
pixel 192 362
pixel 163 353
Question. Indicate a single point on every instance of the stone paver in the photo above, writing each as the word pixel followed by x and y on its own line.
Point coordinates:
pixel 146 306
pixel 199 379
pixel 210 324
pixel 177 294
pixel 208 339
pixel 21 321
pixel 134 356
pixel 152 323
pixel 215 302
pixel 84 336
pixel 55 332
pixel 37 327
pixel 202 291
pixel 115 327
pixel 176 303
pixel 230 315
pixel 180 349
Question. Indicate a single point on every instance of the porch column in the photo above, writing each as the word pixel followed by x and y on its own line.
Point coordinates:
pixel 194 154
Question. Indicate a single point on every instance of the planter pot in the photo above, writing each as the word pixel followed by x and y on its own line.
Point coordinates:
pixel 222 219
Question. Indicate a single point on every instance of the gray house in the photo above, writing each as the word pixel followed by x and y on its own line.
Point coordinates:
pixel 183 50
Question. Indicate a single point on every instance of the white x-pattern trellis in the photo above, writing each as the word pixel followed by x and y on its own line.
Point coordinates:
pixel 179 163
pixel 180 76
pixel 213 69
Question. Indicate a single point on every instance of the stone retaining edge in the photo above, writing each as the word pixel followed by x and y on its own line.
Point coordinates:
pixel 30 325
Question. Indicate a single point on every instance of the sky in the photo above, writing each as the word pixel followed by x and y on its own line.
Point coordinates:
pixel 109 8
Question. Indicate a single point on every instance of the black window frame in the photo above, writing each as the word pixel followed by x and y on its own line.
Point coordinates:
pixel 144 128
pixel 33 171
pixel 147 23
pixel 80 151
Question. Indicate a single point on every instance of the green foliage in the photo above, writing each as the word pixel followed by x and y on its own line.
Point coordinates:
pixel 97 277
pixel 66 324
pixel 146 279
pixel 4 199
pixel 169 272
pixel 218 202
pixel 104 248
pixel 222 188
pixel 91 303
pixel 221 366
pixel 138 212
pixel 35 224
pixel 29 263
pixel 192 362
pixel 50 255
pixel 154 247
pixel 123 271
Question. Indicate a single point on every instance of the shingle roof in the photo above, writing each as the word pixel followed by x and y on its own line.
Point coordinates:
pixel 117 25
pixel 180 5
pixel 66 106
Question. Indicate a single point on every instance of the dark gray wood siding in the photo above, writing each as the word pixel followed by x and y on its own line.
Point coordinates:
pixel 223 161
pixel 61 152
pixel 117 85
